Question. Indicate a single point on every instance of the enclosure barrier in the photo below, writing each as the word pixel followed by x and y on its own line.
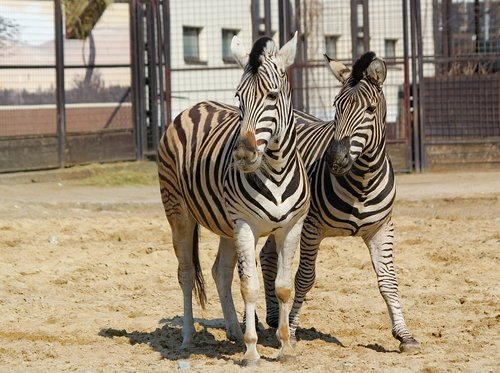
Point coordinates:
pixel 97 80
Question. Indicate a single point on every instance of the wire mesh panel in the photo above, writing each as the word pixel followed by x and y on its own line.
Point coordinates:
pixel 97 119
pixel 27 85
pixel 27 77
pixel 97 73
pixel 462 84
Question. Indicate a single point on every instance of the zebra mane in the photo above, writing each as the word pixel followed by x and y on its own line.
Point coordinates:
pixel 260 46
pixel 360 67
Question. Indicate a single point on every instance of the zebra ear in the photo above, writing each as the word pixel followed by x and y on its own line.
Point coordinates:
pixel 341 71
pixel 286 54
pixel 240 53
pixel 377 71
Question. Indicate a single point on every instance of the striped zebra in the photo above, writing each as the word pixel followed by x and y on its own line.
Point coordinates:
pixel 352 189
pixel 238 174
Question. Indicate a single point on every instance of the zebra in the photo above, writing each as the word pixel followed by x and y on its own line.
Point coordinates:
pixel 352 189
pixel 238 174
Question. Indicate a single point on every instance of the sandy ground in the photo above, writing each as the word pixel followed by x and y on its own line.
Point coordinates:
pixel 89 283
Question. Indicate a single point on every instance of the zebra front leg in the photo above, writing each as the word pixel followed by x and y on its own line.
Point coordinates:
pixel 249 284
pixel 380 246
pixel 184 238
pixel 285 248
pixel 268 264
pixel 222 272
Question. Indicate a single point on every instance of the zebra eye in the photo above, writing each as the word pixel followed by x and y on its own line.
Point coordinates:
pixel 273 95
pixel 371 109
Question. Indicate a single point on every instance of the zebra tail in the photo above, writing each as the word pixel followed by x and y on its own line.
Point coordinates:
pixel 199 281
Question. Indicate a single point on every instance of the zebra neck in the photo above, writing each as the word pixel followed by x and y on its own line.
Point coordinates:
pixel 282 151
pixel 370 168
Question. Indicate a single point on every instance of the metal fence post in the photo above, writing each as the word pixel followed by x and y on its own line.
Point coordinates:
pixel 254 11
pixel 168 65
pixel 415 96
pixel 284 19
pixel 60 96
pixel 406 90
pixel 134 81
pixel 421 84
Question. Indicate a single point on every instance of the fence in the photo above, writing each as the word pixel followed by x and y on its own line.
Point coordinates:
pixel 136 64
pixel 93 99
pixel 461 85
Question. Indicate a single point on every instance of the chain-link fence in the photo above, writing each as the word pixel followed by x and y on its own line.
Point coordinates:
pixel 131 66
pixel 95 90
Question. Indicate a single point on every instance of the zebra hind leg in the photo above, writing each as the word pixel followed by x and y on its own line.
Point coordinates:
pixel 269 265
pixel 222 272
pixel 380 245
pixel 185 238
pixel 304 278
pixel 306 273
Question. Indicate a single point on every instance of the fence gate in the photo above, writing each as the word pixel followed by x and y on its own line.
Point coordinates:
pixel 150 72
pixel 343 29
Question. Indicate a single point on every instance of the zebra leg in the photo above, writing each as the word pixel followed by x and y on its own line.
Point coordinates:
pixel 380 246
pixel 285 247
pixel 306 273
pixel 183 229
pixel 269 263
pixel 249 284
pixel 222 272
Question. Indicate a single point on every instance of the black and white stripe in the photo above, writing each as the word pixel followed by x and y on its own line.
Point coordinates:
pixel 352 189
pixel 238 174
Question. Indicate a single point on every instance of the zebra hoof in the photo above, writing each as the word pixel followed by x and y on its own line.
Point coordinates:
pixel 410 346
pixel 250 362
pixel 286 357
pixel 293 340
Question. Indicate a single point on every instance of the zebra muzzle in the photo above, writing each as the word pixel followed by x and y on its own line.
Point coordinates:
pixel 338 156
pixel 246 155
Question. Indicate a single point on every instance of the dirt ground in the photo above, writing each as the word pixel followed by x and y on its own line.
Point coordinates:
pixel 88 282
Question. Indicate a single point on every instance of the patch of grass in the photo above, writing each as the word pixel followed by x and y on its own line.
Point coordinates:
pixel 115 174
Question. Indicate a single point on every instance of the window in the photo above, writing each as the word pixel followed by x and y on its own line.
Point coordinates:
pixel 331 45
pixel 191 38
pixel 227 37
pixel 390 48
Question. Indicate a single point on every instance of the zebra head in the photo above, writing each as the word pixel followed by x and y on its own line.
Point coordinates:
pixel 360 112
pixel 264 95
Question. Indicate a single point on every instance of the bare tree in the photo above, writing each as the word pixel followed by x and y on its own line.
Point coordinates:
pixel 9 33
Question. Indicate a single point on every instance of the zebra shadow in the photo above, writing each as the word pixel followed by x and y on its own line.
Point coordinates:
pixel 378 348
pixel 166 340
pixel 311 334
pixel 267 337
